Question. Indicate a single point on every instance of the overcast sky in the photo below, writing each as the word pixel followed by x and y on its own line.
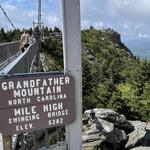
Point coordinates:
pixel 131 18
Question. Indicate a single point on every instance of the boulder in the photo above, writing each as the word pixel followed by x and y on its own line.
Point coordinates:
pixel 135 138
pixel 104 126
pixel 97 125
pixel 105 129
pixel 95 132
pixel 117 136
pixel 140 136
pixel 141 148
pixel 120 121
pixel 115 141
pixel 138 124
pixel 92 139
pixel 91 145
pixel 43 61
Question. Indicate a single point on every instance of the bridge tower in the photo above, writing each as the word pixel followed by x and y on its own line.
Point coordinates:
pixel 39 15
pixel 37 26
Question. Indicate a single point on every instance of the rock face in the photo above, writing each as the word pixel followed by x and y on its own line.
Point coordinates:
pixel 105 129
pixel 96 132
pixel 116 39
pixel 140 136
pixel 102 127
pixel 117 119
pixel 114 35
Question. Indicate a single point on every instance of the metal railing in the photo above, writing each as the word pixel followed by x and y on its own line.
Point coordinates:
pixel 9 60
pixel 22 62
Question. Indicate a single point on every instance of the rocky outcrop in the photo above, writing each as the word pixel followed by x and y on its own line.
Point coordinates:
pixel 116 39
pixel 46 61
pixel 105 129
pixel 119 121
pixel 101 125
pixel 140 136
pixel 95 132
pixel 115 36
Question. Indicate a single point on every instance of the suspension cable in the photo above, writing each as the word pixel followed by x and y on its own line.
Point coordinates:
pixel 7 16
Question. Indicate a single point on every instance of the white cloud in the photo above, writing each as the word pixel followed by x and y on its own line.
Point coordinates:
pixel 52 20
pixel 141 35
pixel 129 17
pixel 10 8
pixel 85 24
pixel 134 10
pixel 98 25
pixel 32 13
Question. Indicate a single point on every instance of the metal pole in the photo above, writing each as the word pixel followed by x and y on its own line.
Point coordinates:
pixel 72 65
pixel 39 15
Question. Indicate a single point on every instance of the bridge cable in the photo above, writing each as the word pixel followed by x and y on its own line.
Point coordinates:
pixel 7 16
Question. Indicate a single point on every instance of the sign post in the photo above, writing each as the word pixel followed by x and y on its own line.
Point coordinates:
pixel 72 65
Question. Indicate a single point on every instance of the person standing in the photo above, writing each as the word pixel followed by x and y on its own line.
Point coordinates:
pixel 24 41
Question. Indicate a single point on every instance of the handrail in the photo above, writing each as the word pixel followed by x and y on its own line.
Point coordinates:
pixel 1 44
pixel 4 63
pixel 21 64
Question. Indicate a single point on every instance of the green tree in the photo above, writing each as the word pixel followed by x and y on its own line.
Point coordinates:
pixel 56 29
pixel 3 36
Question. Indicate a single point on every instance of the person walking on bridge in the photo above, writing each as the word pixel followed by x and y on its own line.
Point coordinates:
pixel 24 41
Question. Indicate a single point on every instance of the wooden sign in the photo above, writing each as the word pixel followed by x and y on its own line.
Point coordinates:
pixel 31 103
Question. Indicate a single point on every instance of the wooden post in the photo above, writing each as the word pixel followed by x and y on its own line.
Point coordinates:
pixel 72 65
pixel 35 140
pixel 7 143
pixel 46 138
